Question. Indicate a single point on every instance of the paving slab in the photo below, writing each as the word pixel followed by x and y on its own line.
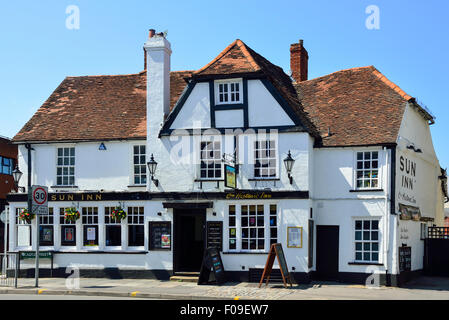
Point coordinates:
pixel 420 289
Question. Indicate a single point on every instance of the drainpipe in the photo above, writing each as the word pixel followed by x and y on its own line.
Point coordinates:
pixel 392 200
pixel 386 222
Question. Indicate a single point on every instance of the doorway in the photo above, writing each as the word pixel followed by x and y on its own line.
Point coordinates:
pixel 327 245
pixel 189 239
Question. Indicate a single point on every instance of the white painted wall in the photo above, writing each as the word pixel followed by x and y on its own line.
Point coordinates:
pixel 95 169
pixel 195 112
pixel 263 109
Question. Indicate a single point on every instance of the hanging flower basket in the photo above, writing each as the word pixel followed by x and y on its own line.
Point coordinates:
pixel 118 214
pixel 71 214
pixel 26 216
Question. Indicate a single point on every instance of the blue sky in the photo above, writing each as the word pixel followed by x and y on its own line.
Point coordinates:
pixel 38 51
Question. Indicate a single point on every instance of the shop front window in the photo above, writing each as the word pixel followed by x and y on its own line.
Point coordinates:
pixel 135 226
pixel 68 229
pixel 89 218
pixel 113 228
pixel 46 228
pixel 252 227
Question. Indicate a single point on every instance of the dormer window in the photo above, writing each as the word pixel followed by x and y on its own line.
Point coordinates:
pixel 228 91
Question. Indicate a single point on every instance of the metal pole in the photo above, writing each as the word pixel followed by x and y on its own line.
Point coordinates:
pixel 37 252
pixel 36 271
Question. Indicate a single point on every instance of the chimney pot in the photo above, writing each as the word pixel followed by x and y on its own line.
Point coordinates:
pixel 299 60
pixel 152 32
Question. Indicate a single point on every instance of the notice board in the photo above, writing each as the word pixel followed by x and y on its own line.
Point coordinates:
pixel 160 235
pixel 405 259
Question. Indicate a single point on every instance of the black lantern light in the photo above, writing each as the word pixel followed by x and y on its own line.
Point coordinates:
pixel 289 162
pixel 152 165
pixel 17 174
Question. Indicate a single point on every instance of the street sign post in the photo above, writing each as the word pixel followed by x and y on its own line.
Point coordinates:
pixel 39 205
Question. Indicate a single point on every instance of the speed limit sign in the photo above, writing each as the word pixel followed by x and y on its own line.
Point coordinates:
pixel 39 199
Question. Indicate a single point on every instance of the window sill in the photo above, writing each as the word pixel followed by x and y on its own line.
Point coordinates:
pixel 264 179
pixel 365 264
pixel 64 187
pixel 366 190
pixel 208 180
pixel 137 186
pixel 100 252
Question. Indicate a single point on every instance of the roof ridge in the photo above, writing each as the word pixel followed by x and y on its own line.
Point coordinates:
pixel 248 55
pixel 329 74
pixel 391 84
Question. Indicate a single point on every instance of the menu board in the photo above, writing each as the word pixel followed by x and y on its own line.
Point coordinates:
pixel 276 251
pixel 160 235
pixel 212 264
pixel 215 235
pixel 405 259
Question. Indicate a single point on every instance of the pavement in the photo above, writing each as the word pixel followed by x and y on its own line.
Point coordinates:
pixel 423 288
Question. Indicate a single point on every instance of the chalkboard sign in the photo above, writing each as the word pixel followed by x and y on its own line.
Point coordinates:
pixel 215 234
pixel 276 251
pixel 160 235
pixel 212 266
pixel 405 259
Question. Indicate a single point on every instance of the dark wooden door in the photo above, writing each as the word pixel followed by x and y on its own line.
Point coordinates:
pixel 189 239
pixel 327 252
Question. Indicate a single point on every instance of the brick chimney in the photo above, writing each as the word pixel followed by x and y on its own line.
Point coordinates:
pixel 299 61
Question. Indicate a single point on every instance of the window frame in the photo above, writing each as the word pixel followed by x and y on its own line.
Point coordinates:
pixel 276 158
pixel 215 160
pixel 133 165
pixel 65 166
pixel 49 223
pixel 131 215
pixel 379 239
pixel 238 226
pixel 87 224
pixel 20 223
pixel 229 82
pixel 63 224
pixel 379 171
pixel 109 222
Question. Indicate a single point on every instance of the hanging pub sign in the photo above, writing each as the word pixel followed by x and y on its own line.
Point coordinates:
pixel 409 212
pixel 230 177
pixel 212 270
pixel 276 251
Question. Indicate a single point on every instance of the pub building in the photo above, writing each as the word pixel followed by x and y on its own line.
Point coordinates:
pixel 237 155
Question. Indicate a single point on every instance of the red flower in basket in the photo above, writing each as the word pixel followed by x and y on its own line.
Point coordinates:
pixel 27 216
pixel 71 214
pixel 118 214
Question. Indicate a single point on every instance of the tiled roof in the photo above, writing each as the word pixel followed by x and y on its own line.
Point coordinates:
pixel 358 106
pixel 96 108
pixel 234 59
